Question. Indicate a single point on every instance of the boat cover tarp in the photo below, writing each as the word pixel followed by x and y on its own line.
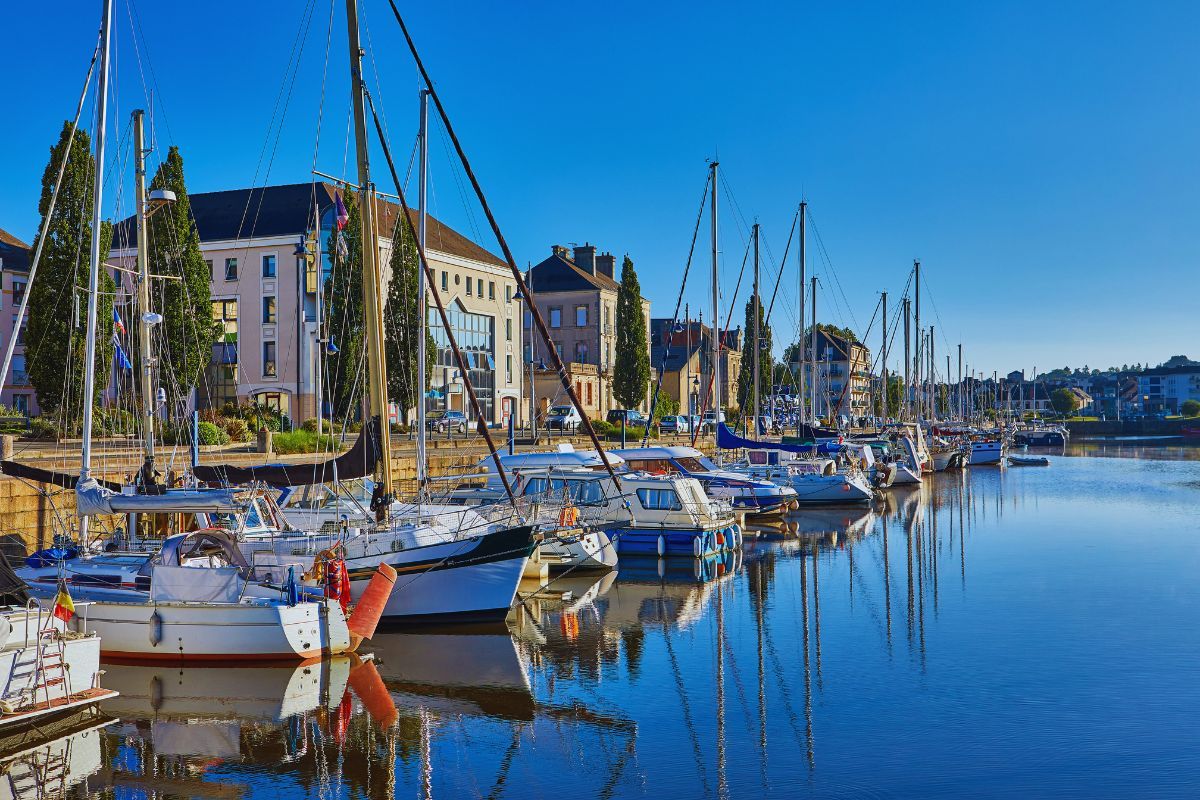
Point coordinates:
pixel 195 584
pixel 728 440
pixel 358 462
pixel 64 480
pixel 13 591
pixel 91 498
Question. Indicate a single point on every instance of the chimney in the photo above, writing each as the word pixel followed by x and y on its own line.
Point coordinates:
pixel 606 264
pixel 559 250
pixel 585 257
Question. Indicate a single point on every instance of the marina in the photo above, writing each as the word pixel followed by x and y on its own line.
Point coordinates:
pixel 329 489
pixel 979 615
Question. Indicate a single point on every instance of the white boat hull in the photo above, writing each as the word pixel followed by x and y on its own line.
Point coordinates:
pixel 905 476
pixel 592 551
pixel 834 489
pixel 984 453
pixel 187 632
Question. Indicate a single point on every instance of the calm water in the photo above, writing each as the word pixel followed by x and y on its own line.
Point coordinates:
pixel 1028 631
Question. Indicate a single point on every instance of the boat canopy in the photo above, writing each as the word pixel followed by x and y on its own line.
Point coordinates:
pixel 358 462
pixel 91 499
pixel 728 440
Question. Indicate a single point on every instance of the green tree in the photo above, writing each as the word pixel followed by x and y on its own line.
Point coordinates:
pixel 1191 408
pixel 1064 401
pixel 631 373
pixel 666 406
pixel 55 337
pixel 762 349
pixel 344 313
pixel 402 325
pixel 185 304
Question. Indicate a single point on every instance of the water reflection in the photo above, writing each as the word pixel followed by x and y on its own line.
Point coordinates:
pixel 55 758
pixel 757 674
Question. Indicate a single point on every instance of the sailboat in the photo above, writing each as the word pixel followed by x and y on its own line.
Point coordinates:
pixel 196 599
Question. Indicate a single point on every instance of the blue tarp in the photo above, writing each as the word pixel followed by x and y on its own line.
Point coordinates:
pixel 728 440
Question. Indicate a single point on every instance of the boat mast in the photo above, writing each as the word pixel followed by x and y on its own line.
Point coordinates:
pixel 687 315
pixel 143 307
pixel 906 401
pixel 716 305
pixel 932 380
pixel 883 355
pixel 757 333
pixel 812 340
pixel 803 288
pixel 917 370
pixel 423 217
pixel 377 376
pixel 959 393
pixel 89 369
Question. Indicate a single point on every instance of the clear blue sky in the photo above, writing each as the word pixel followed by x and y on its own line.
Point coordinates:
pixel 1040 158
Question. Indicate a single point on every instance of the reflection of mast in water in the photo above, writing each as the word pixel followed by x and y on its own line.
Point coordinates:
pixel 934 543
pixel 908 562
pixel 817 611
pixel 722 780
pixel 887 585
pixel 808 716
pixel 962 542
pixel 685 706
pixel 757 597
pixel 426 755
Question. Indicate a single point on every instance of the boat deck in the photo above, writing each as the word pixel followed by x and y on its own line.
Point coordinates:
pixel 77 700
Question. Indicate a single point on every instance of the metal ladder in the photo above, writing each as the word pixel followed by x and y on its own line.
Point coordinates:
pixel 52 665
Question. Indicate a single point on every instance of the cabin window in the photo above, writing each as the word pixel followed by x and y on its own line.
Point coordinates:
pixel 657 465
pixel 659 499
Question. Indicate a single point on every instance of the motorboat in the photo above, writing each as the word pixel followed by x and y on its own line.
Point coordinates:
pixel 986 451
pixel 1038 434
pixel 664 515
pixel 753 497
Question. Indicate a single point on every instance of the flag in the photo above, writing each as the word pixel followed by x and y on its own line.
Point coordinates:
pixel 341 215
pixel 120 326
pixel 64 608
pixel 122 359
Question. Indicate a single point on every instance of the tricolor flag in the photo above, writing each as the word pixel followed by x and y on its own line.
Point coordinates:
pixel 120 326
pixel 64 608
pixel 122 359
pixel 341 215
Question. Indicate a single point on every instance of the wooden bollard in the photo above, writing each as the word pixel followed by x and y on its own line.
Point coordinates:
pixel 6 447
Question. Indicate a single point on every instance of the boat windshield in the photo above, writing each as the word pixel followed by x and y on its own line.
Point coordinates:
pixel 693 464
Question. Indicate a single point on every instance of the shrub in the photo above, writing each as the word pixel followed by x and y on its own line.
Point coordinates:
pixel 1191 408
pixel 210 434
pixel 632 432
pixel 237 430
pixel 398 427
pixel 603 427
pixel 310 425
pixel 42 429
pixel 302 441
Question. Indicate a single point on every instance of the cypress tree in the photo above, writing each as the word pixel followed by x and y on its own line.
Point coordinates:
pixel 344 310
pixel 185 347
pixel 402 325
pixel 55 337
pixel 765 359
pixel 631 373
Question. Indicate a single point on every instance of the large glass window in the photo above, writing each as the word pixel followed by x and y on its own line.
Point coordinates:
pixel 476 336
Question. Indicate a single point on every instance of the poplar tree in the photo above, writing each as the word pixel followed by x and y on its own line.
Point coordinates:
pixel 402 324
pixel 765 360
pixel 631 372
pixel 55 337
pixel 185 347
pixel 344 312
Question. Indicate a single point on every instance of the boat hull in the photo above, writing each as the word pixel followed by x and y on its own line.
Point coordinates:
pixel 200 632
pixel 582 553
pixel 830 490
pixel 985 453
pixel 676 542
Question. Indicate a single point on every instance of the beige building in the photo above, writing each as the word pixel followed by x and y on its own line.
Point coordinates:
pixel 839 364
pixel 685 358
pixel 576 293
pixel 265 298
pixel 16 393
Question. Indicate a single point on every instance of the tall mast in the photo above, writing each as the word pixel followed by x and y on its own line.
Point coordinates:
pixel 687 316
pixel 884 355
pixel 812 341
pixel 932 382
pixel 907 399
pixel 757 333
pixel 143 307
pixel 89 369
pixel 800 338
pixel 422 188
pixel 377 377
pixel 716 305
pixel 917 369
pixel 959 393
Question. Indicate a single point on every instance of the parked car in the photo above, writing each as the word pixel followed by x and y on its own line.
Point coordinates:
pixel 445 421
pixel 709 423
pixel 675 424
pixel 563 418
pixel 632 418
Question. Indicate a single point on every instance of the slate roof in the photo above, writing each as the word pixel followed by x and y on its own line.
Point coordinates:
pixel 678 359
pixel 287 211
pixel 559 274
pixel 14 252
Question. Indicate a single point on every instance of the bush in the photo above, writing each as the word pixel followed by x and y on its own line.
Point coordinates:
pixel 210 434
pixel 1191 408
pixel 603 427
pixel 398 427
pixel 237 430
pixel 302 441
pixel 631 433
pixel 310 425
pixel 42 430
